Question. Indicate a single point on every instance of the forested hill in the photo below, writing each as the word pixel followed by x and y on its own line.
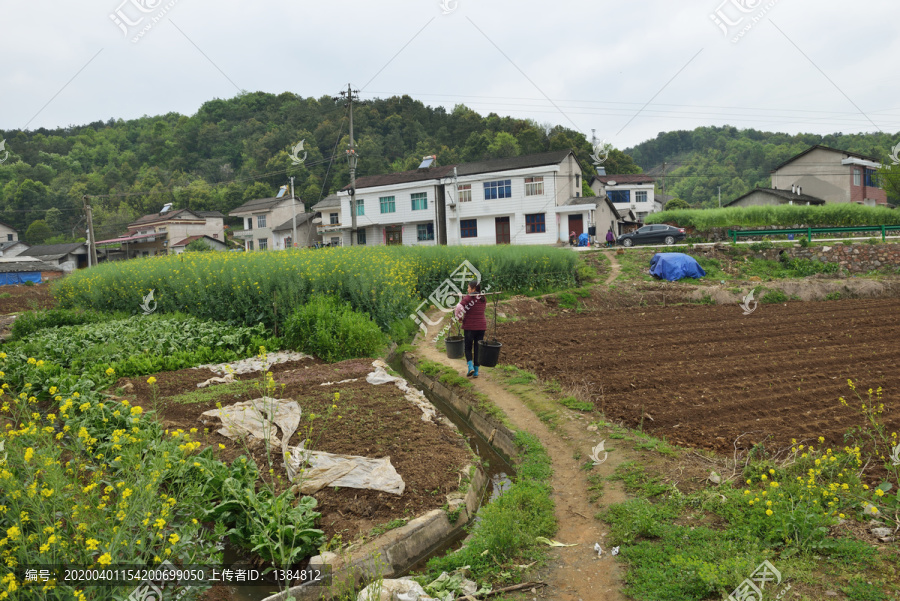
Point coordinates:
pixel 238 149
pixel 699 161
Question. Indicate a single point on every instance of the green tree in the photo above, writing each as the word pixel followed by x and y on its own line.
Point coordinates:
pixel 676 203
pixel 198 246
pixel 53 218
pixel 38 232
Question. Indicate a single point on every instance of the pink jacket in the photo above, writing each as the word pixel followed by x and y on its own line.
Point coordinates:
pixel 474 313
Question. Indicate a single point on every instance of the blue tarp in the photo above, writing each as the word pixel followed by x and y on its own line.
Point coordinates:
pixel 10 279
pixel 674 266
pixel 583 240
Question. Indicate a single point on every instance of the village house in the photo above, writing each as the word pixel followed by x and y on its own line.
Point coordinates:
pixel 633 192
pixel 264 219
pixel 8 233
pixel 531 199
pixel 154 234
pixel 832 175
pixel 65 257
pixel 770 196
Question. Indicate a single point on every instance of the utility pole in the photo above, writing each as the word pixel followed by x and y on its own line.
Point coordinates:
pixel 92 247
pixel 352 157
pixel 720 196
pixel 294 213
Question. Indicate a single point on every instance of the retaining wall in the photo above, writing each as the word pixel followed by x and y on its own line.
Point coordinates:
pixel 853 258
pixel 396 551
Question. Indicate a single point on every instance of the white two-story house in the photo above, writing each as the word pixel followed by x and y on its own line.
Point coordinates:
pixel 628 192
pixel 531 199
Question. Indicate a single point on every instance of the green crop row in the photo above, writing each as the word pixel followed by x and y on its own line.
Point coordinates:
pixel 829 215
pixel 265 287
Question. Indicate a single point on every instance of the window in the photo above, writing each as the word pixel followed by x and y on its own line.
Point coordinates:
pixel 9 237
pixel 287 242
pixel 871 178
pixel 534 224
pixel 260 221
pixel 160 229
pixel 640 196
pixel 335 241
pixel 263 244
pixel 856 177
pixel 249 224
pixel 361 237
pixel 468 228
pixel 534 186
pixel 249 244
pixel 425 231
pixel 498 189
pixel 465 193
pixel 419 201
pixel 333 218
pixel 215 236
pixel 387 204
pixel 623 196
pixel 360 209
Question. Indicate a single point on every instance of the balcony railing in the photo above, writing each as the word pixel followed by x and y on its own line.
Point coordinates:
pixel 243 234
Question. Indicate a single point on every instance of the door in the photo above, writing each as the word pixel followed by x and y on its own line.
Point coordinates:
pixel 576 225
pixel 393 235
pixel 501 225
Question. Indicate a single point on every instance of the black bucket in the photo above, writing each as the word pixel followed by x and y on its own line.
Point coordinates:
pixel 488 352
pixel 456 346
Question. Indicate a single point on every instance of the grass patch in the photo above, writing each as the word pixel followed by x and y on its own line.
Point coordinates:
pixel 645 442
pixel 504 537
pixel 571 402
pixel 774 296
pixel 382 528
pixel 636 480
pixel 203 395
pixel 514 375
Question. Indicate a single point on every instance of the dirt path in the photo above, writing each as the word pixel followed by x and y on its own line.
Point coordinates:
pixel 575 573
pixel 614 268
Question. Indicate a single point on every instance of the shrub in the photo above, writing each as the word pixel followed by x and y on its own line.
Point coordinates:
pixel 774 296
pixel 332 330
pixel 829 215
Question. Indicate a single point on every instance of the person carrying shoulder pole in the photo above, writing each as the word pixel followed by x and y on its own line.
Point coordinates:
pixel 474 324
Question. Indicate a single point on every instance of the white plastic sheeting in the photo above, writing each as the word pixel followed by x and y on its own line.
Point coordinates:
pixel 416 397
pixel 402 589
pixel 258 418
pixel 226 379
pixel 254 364
pixel 347 471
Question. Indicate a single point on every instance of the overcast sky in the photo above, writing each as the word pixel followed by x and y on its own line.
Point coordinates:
pixel 629 70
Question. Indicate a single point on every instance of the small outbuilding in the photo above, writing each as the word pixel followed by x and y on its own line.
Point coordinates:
pixel 27 269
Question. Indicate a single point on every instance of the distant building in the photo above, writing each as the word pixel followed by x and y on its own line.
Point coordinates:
pixel 768 196
pixel 835 176
pixel 212 243
pixel 12 249
pixel 262 216
pixel 67 257
pixel 530 199
pixel 27 269
pixel 628 191
pixel 153 234
pixel 8 233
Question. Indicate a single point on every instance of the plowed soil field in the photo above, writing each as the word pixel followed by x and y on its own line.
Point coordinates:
pixel 713 378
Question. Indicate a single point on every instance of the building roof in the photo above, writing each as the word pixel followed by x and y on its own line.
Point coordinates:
pixel 26 266
pixel 260 205
pixel 332 201
pixel 122 239
pixel 190 239
pixel 783 195
pixel 171 214
pixel 624 178
pixel 434 173
pixel 830 149
pixel 5 245
pixel 54 250
pixel 8 225
pixel 289 224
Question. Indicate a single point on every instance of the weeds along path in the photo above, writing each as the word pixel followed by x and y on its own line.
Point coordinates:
pixel 574 573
